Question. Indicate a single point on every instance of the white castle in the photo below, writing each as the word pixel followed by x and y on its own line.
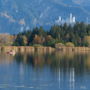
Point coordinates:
pixel 70 20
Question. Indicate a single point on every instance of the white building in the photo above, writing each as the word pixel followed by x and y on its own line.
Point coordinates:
pixel 70 20
pixel 59 21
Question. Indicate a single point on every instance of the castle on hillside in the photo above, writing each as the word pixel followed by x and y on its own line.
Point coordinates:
pixel 70 20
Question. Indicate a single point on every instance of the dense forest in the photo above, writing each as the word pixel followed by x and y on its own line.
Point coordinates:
pixel 78 34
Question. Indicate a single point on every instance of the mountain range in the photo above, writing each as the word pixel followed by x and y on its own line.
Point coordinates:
pixel 18 15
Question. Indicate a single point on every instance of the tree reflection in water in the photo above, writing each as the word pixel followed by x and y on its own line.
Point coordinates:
pixel 66 61
pixel 57 70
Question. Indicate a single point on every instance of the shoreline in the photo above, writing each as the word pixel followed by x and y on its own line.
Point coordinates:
pixel 42 49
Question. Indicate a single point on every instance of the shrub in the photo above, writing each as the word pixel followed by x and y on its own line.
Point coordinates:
pixel 69 44
pixel 37 45
pixel 59 45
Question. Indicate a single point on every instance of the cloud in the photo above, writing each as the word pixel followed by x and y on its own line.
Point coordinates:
pixel 6 15
pixel 11 19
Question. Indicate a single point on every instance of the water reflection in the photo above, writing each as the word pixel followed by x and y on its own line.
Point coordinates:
pixel 57 70
pixel 70 61
pixel 6 59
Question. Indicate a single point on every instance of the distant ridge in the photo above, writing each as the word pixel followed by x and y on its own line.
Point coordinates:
pixel 17 15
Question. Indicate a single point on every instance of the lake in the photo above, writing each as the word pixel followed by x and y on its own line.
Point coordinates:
pixel 54 71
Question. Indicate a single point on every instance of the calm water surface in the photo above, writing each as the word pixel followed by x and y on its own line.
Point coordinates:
pixel 57 71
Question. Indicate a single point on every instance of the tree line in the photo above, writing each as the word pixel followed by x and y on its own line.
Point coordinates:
pixel 56 34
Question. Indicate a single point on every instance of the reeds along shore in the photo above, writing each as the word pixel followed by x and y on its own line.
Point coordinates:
pixel 73 49
pixel 42 49
pixel 27 49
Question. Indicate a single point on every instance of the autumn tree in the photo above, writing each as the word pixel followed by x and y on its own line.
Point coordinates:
pixel 6 40
pixel 37 40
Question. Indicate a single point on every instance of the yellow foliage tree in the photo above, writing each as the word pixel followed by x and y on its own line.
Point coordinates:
pixel 37 40
pixel 6 39
pixel 87 40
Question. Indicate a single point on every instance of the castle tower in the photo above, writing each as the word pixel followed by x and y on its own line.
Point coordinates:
pixel 74 19
pixel 71 18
